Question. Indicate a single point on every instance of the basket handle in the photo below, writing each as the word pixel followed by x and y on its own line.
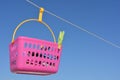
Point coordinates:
pixel 38 20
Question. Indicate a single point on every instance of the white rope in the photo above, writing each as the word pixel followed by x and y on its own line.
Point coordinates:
pixel 78 27
pixel 33 3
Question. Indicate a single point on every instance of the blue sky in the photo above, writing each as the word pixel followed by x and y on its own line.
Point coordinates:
pixel 83 57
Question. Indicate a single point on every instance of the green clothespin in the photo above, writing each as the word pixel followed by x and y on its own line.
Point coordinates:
pixel 60 38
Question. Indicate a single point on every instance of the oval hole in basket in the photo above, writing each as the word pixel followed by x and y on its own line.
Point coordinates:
pixel 31 62
pixel 54 64
pixel 41 55
pixel 42 47
pixel 58 50
pixel 27 61
pixel 38 47
pixel 37 54
pixel 36 62
pixel 50 63
pixel 28 54
pixel 47 63
pixel 45 48
pixel 39 62
pixel 57 57
pixel 49 48
pixel 48 56
pixel 44 55
pixel 30 45
pixel 51 57
pixel 25 45
pixel 33 53
pixel 43 63
pixel 54 57
pixel 34 46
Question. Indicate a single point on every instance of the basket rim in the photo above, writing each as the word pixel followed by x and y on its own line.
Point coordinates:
pixel 24 37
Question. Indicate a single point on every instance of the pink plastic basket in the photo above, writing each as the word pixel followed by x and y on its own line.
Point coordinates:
pixel 34 56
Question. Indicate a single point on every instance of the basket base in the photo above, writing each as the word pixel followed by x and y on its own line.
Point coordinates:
pixel 32 73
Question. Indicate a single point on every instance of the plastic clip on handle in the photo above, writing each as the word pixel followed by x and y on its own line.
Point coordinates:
pixel 41 14
pixel 38 20
pixel 60 38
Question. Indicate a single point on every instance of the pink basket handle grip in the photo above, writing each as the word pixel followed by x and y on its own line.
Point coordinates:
pixel 28 20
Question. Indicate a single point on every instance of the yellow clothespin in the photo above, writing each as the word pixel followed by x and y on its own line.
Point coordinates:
pixel 41 14
pixel 60 39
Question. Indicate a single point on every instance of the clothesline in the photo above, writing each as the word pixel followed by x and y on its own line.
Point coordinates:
pixel 77 26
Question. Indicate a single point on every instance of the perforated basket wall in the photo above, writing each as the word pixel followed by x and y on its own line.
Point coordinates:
pixel 34 56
